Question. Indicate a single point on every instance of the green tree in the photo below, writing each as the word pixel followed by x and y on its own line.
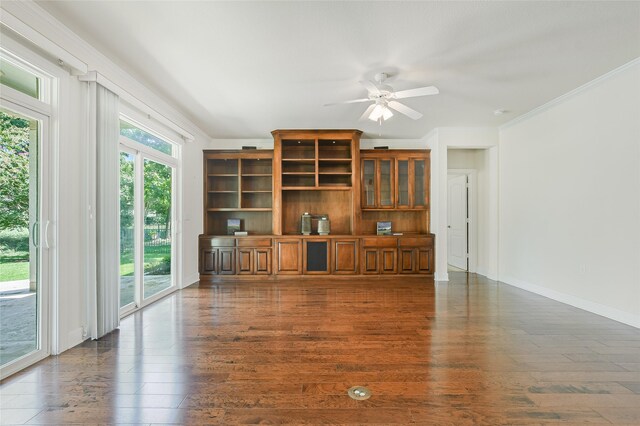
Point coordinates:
pixel 14 171
pixel 157 192
pixel 126 190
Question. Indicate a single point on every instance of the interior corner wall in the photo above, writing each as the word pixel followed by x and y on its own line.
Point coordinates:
pixel 192 218
pixel 570 198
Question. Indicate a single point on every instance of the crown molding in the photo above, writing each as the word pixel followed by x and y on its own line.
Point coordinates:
pixel 562 98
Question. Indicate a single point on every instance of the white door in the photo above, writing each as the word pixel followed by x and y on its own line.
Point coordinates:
pixel 457 221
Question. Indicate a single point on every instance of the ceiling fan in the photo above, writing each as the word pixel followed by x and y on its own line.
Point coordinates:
pixel 384 99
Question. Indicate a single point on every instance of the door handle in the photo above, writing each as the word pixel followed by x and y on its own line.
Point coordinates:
pixel 33 235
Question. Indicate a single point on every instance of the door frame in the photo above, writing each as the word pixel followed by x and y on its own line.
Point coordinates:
pixel 472 208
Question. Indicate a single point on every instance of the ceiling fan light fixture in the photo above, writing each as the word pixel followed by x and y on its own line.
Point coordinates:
pixel 380 112
pixel 376 113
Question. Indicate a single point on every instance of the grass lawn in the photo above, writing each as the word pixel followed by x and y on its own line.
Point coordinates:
pixel 13 271
pixel 151 255
pixel 13 268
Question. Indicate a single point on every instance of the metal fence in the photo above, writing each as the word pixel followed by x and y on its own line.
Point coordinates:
pixel 154 235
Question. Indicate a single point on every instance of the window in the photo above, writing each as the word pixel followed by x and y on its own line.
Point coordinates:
pixel 145 138
pixel 19 79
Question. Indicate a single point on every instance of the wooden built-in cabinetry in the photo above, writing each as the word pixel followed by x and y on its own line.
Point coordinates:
pixel 320 172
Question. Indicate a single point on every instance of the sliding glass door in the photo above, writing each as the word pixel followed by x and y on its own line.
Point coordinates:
pixel 147 215
pixel 24 232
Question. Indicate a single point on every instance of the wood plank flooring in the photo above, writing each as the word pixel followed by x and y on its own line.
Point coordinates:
pixel 469 352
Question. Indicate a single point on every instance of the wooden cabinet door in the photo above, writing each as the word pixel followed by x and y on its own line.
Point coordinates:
pixel 388 260
pixel 262 258
pixel 424 257
pixel 289 257
pixel 226 261
pixel 345 257
pixel 369 184
pixel 403 186
pixel 385 177
pixel 378 183
pixel 419 185
pixel 370 261
pixel 245 261
pixel 208 259
pixel 407 260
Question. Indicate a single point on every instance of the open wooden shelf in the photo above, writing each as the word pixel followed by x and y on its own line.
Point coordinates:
pixel 238 185
pixel 237 209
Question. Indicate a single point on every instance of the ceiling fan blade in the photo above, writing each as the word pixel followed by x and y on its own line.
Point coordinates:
pixel 419 91
pixel 349 102
pixel 367 113
pixel 372 88
pixel 402 108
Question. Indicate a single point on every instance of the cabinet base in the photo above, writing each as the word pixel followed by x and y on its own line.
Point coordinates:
pixel 428 278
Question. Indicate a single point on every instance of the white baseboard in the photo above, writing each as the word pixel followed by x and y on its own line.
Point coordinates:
pixel 74 338
pixel 587 305
pixel 191 279
pixel 442 276
pixel 487 274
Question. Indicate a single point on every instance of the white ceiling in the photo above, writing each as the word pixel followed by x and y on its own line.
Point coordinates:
pixel 242 69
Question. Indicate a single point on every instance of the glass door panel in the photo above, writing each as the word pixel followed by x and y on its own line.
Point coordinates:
pixel 386 184
pixel 403 183
pixel 158 185
pixel 369 173
pixel 20 235
pixel 127 229
pixel 419 175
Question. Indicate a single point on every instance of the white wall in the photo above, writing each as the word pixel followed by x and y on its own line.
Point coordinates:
pixel 72 167
pixel 570 198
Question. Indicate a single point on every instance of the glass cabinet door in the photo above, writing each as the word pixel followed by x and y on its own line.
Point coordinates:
pixel 369 183
pixel 403 183
pixel 419 183
pixel 386 183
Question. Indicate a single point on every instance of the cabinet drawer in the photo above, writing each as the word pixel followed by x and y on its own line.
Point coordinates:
pixel 380 242
pixel 415 241
pixel 254 242
pixel 217 242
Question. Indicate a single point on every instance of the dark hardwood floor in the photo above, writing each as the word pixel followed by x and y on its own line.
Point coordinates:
pixel 468 352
